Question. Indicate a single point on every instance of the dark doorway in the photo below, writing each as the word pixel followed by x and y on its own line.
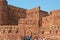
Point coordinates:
pixel 28 38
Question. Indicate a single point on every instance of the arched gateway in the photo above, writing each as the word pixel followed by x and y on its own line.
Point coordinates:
pixel 28 35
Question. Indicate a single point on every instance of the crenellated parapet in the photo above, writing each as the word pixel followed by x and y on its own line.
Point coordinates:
pixel 18 23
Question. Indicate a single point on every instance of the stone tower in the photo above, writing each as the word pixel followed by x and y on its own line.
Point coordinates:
pixel 3 12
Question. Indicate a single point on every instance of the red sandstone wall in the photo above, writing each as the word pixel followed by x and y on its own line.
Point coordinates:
pixel 56 15
pixel 3 12
pixel 42 14
pixel 50 25
pixel 33 14
pixel 29 24
pixel 15 14
pixel 9 32
pixel 47 21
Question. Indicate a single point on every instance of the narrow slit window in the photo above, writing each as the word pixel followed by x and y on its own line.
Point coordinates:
pixel 9 31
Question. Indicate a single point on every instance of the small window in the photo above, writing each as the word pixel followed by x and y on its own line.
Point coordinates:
pixel 9 31
pixel 58 27
pixel 50 31
pixel 3 31
pixel 56 31
pixel 42 32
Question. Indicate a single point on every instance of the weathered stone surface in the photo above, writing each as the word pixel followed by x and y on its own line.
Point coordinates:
pixel 17 23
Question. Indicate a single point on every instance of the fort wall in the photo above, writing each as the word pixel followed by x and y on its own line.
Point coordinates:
pixel 15 14
pixel 3 12
pixel 22 22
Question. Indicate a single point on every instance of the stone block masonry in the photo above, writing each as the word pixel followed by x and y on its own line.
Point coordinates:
pixel 22 24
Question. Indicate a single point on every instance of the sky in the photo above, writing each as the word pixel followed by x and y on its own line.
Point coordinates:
pixel 46 5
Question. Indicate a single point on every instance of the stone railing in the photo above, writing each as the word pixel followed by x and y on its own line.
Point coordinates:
pixel 8 29
pixel 50 31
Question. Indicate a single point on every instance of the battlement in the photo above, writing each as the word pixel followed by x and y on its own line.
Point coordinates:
pixel 19 22
pixel 34 9
pixel 55 11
